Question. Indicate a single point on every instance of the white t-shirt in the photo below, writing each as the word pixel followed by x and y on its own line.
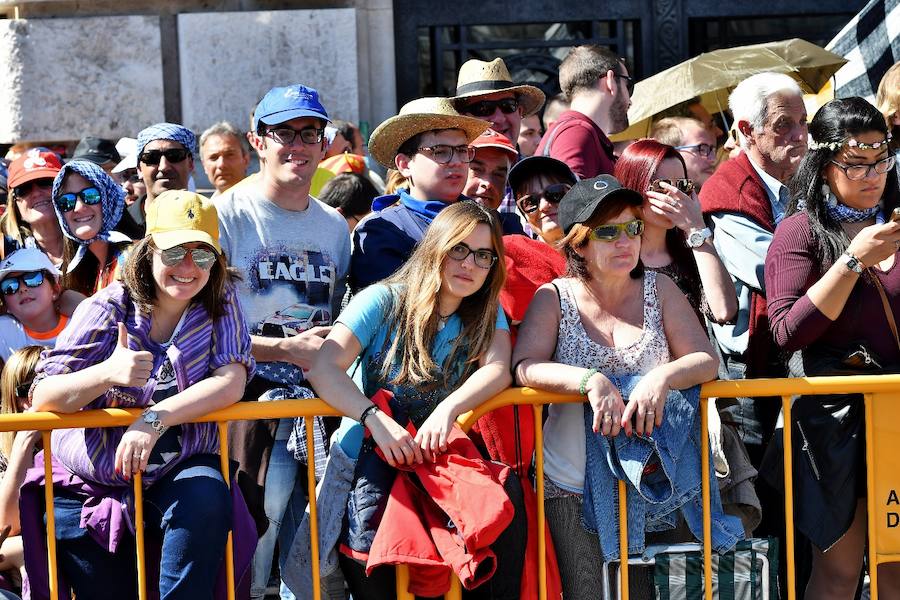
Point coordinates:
pixel 14 335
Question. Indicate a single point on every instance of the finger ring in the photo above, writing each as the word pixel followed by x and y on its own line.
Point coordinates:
pixel 650 412
pixel 607 417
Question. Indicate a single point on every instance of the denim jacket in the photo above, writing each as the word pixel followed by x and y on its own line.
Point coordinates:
pixel 655 494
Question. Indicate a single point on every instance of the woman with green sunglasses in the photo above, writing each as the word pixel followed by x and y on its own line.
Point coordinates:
pixel 88 204
pixel 606 318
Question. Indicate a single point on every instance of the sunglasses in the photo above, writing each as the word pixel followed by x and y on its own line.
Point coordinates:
pixel 23 389
pixel 704 150
pixel 685 186
pixel 486 108
pixel 202 257
pixel 552 194
pixel 629 82
pixel 484 259
pixel 89 196
pixel 173 155
pixel 11 285
pixel 286 136
pixel 442 154
pixel 612 232
pixel 23 190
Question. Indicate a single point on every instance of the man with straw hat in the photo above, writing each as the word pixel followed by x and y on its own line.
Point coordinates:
pixel 486 91
pixel 428 142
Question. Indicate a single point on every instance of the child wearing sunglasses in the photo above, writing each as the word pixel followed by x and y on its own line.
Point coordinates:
pixel 30 291
pixel 88 205
pixel 171 339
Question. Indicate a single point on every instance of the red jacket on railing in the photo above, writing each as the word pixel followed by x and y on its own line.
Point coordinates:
pixel 432 525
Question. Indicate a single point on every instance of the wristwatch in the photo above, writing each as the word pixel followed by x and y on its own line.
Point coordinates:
pixel 852 263
pixel 696 237
pixel 151 418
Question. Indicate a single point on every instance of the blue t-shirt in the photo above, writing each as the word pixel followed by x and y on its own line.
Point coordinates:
pixel 366 316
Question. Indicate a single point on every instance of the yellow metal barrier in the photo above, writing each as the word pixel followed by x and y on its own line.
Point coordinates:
pixel 883 548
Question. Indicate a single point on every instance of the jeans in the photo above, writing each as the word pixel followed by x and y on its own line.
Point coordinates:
pixel 285 504
pixel 188 512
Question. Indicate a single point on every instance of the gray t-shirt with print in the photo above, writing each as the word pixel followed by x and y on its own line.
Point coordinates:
pixel 293 266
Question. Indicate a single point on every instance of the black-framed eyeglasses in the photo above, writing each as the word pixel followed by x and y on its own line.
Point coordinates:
pixel 629 81
pixel 703 150
pixel 23 388
pixel 612 231
pixel 685 186
pixel 552 194
pixel 484 259
pixel 172 155
pixel 89 196
pixel 486 108
pixel 26 188
pixel 11 285
pixel 443 154
pixel 286 135
pixel 857 172
pixel 202 257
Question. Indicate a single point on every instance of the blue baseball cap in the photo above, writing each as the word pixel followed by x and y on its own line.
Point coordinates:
pixel 282 104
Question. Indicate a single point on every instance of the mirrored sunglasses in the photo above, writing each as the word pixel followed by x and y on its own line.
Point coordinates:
pixel 486 108
pixel 172 155
pixel 11 285
pixel 552 194
pixel 202 257
pixel 611 232
pixel 89 196
pixel 685 186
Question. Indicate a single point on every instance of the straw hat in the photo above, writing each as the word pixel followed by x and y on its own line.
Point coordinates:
pixel 478 78
pixel 419 116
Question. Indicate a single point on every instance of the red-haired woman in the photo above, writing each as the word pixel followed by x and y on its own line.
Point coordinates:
pixel 676 241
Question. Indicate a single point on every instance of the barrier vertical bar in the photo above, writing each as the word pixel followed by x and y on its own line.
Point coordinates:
pixel 455 591
pixel 788 496
pixel 870 497
pixel 539 481
pixel 140 548
pixel 222 427
pixel 313 511
pixel 403 583
pixel 704 486
pixel 623 541
pixel 51 518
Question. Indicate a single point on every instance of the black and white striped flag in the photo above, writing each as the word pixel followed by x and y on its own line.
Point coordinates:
pixel 871 44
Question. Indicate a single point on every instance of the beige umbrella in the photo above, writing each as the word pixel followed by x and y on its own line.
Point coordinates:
pixel 713 75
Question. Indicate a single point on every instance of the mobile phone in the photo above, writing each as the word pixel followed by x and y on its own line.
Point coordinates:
pixel 895 214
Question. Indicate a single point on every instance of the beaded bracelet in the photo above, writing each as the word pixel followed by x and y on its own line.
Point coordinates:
pixel 582 389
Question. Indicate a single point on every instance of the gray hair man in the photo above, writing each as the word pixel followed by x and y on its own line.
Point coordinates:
pixel 225 154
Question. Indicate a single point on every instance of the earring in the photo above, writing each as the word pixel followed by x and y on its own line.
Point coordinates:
pixel 830 200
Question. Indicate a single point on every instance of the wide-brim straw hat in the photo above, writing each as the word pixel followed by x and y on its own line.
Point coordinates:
pixel 419 116
pixel 479 78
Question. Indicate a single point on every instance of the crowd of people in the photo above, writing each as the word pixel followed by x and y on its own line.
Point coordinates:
pixel 473 242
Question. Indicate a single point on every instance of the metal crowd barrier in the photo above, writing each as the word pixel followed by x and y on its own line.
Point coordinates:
pixel 882 401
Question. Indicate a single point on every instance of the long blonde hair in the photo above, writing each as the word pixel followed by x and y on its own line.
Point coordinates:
pixel 17 370
pixel 415 314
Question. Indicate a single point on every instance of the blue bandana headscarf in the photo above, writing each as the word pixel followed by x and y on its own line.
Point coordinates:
pixel 112 204
pixel 168 131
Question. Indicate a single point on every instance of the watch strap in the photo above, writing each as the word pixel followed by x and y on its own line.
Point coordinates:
pixel 155 423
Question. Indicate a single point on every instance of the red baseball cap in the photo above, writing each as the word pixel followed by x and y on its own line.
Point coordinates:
pixel 32 165
pixel 492 139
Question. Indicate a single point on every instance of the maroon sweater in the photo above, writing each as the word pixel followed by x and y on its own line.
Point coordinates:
pixel 577 141
pixel 792 267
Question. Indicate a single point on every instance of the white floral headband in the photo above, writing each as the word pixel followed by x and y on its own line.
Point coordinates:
pixel 852 142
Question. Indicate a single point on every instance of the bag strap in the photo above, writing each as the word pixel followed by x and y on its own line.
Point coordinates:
pixel 887 308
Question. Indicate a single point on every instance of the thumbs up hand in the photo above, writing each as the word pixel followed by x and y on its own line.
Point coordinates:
pixel 126 367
